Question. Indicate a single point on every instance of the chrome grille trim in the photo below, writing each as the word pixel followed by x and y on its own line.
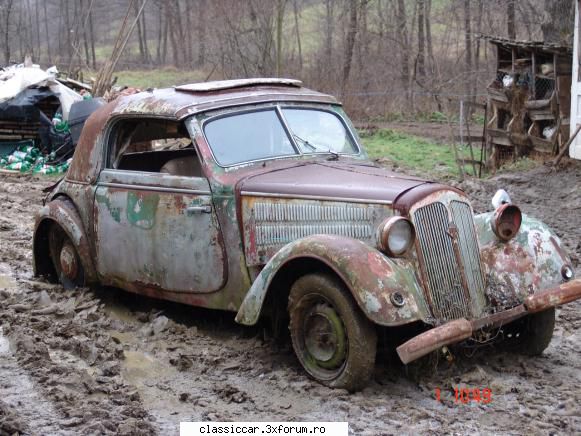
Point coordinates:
pixel 453 276
pixel 468 241
pixel 277 224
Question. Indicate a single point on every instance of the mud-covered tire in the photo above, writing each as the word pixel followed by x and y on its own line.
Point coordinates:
pixel 342 353
pixel 535 332
pixel 65 259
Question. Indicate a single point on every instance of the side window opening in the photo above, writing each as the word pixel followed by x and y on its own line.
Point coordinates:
pixel 157 146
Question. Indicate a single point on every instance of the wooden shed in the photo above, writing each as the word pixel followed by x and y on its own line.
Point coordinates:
pixel 529 99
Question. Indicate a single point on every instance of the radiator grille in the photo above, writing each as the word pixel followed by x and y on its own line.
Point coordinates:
pixel 452 295
pixel 279 224
pixel 470 253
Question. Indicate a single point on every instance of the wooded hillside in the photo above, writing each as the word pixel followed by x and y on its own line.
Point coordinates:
pixel 380 56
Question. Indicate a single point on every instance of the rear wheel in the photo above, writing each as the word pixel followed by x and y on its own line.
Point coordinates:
pixel 332 339
pixel 533 333
pixel 65 258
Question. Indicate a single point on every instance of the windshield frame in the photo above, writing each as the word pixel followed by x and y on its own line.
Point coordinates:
pixel 278 107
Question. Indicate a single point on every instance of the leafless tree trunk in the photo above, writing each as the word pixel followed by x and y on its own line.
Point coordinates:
pixel 165 34
pixel 479 30
pixel 298 33
pixel 92 38
pixel 20 40
pixel 429 43
pixel 68 30
pixel 349 44
pixel 171 27
pixel 558 18
pixel 404 44
pixel 189 43
pixel 280 6
pixel 136 6
pixel 6 20
pixel 329 28
pixel 202 33
pixel 467 44
pixel 47 35
pixel 159 35
pixel 510 19
pixel 60 34
pixel 37 31
pixel 421 62
pixel 85 36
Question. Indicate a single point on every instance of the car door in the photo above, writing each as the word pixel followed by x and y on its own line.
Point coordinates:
pixel 158 231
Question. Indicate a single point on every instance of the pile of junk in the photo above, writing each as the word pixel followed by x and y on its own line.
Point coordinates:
pixel 41 118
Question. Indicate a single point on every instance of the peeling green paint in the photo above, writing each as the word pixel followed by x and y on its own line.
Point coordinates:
pixel 141 209
pixel 114 211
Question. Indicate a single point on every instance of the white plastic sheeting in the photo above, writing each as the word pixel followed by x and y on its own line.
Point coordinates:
pixel 15 79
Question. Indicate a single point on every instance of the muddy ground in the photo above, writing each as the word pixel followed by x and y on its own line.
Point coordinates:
pixel 106 362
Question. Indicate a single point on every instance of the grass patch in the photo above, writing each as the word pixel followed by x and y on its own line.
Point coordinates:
pixel 411 152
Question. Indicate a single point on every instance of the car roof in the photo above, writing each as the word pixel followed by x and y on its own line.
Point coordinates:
pixel 184 100
pixel 179 102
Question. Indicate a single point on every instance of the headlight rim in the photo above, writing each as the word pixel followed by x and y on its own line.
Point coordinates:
pixel 383 236
pixel 497 220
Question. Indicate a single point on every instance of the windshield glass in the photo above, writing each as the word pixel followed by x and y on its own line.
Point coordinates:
pixel 318 131
pixel 247 136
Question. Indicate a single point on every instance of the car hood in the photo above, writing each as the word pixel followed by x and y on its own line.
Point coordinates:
pixel 335 180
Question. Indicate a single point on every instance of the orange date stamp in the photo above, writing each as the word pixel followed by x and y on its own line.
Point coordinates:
pixel 466 395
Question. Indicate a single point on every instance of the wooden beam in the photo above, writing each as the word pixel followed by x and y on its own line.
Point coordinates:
pixel 566 146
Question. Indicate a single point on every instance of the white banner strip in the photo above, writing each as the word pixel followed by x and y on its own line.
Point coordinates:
pixel 264 428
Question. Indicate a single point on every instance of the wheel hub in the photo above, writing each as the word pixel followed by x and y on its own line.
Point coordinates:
pixel 68 261
pixel 325 337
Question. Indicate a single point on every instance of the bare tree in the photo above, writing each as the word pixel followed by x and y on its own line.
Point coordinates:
pixel 280 6
pixel 467 42
pixel 510 19
pixel 349 44
pixel 421 58
pixel 557 24
pixel 404 43
pixel 5 20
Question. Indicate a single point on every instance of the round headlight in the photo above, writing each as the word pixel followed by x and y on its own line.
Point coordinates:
pixel 396 236
pixel 506 221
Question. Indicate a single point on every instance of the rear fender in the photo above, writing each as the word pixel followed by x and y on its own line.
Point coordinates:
pixel 370 276
pixel 60 211
pixel 530 262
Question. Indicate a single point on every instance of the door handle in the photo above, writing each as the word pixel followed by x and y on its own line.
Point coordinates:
pixel 206 208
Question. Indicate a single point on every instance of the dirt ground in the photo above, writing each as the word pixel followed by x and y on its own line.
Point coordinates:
pixel 106 362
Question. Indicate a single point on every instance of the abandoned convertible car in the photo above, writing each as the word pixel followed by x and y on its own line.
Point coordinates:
pixel 255 196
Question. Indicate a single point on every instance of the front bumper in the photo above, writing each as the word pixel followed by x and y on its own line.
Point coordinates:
pixel 461 329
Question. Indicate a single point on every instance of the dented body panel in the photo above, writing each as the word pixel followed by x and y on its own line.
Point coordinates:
pixel 370 276
pixel 523 266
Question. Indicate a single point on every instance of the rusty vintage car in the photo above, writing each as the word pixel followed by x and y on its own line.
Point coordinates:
pixel 255 196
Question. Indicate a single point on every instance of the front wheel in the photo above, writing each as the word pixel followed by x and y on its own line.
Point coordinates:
pixel 332 339
pixel 532 334
pixel 537 332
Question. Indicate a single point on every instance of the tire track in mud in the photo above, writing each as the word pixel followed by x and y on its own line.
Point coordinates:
pixel 109 362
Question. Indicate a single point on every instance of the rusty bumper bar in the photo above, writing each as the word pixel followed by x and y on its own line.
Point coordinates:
pixel 461 329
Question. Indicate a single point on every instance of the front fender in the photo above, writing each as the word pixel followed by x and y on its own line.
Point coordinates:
pixel 62 212
pixel 369 275
pixel 528 263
